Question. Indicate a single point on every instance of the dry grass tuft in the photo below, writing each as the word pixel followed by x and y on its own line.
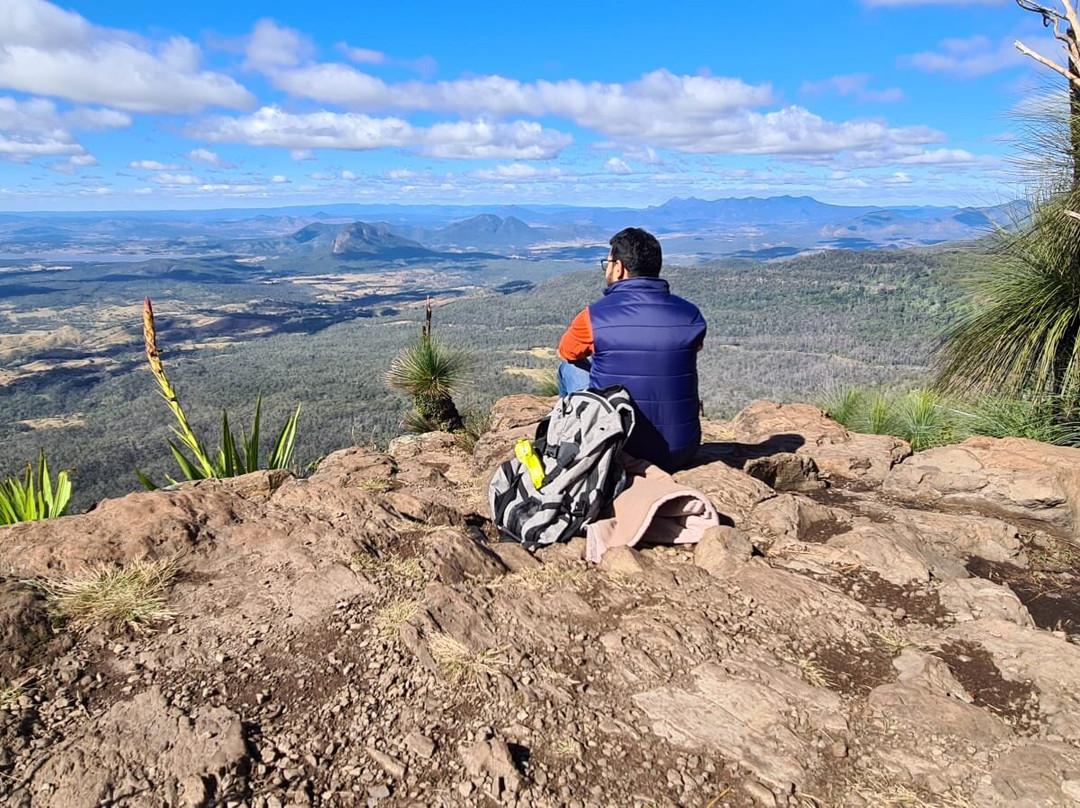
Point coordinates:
pixel 458 665
pixel 122 597
pixel 893 795
pixel 11 692
pixel 403 525
pixel 542 578
pixel 567 748
pixel 378 485
pixel 390 619
pixel 402 570
pixel 892 641
pixel 809 669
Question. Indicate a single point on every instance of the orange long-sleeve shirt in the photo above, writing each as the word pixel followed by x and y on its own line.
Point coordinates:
pixel 577 342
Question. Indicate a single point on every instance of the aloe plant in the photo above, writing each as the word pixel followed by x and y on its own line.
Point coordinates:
pixel 34 497
pixel 234 457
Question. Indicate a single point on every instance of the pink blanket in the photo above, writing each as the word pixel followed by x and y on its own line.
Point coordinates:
pixel 653 508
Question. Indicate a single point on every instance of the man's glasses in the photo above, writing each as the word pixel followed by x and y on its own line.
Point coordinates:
pixel 605 263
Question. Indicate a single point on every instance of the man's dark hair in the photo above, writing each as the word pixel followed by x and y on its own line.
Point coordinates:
pixel 639 252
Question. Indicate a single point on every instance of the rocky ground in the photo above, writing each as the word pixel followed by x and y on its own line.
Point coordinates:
pixel 870 628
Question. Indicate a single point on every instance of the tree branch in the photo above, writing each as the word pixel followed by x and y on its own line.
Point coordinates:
pixel 1074 23
pixel 1047 13
pixel 1024 49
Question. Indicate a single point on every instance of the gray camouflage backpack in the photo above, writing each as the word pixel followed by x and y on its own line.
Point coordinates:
pixel 577 444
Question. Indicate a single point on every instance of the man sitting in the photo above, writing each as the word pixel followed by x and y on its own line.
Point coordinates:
pixel 643 337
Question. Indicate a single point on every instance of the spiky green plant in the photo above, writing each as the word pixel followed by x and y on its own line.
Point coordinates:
pixel 922 421
pixel 431 373
pixel 1039 419
pixel 1020 334
pixel 234 457
pixel 843 404
pixel 35 496
pixel 547 383
pixel 877 416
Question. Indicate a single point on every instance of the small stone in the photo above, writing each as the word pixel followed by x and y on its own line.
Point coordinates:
pixel 761 795
pixel 420 744
pixel 465 788
pixel 379 792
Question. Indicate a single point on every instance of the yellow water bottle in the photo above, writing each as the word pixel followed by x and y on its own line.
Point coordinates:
pixel 528 457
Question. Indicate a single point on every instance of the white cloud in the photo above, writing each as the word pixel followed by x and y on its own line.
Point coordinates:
pixel 97 119
pixel 271 126
pixel 348 176
pixel 271 46
pixel 588 103
pixel 978 56
pixel 154 165
pixel 853 85
pixel 279 178
pixel 168 178
pixel 35 128
pixel 362 56
pixel 617 166
pixel 73 163
pixel 940 157
pixel 470 140
pixel 207 158
pixel 47 51
pixel 792 132
pixel 693 114
pixel 302 155
pixel 513 172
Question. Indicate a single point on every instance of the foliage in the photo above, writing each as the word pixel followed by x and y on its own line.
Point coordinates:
pixel 875 318
pixel 921 417
pixel 923 420
pixel 842 404
pixel 122 597
pixel 476 424
pixel 35 497
pixel 431 373
pixel 1034 418
pixel 926 418
pixel 233 457
pixel 547 383
pixel 1020 333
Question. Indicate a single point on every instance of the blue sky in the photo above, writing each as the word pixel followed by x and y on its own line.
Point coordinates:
pixel 116 104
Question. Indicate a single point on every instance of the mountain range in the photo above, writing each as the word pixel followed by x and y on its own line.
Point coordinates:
pixel 690 229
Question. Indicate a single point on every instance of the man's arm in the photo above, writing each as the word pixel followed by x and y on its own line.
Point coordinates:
pixel 577 342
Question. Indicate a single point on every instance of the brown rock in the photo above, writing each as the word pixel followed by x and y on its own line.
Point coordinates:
pixel 492 757
pixel 1012 477
pixel 134 738
pixel 722 550
pixel 742 710
pixel 622 561
pixel 805 430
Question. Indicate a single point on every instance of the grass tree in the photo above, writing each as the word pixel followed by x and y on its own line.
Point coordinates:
pixel 1019 333
pixel 431 372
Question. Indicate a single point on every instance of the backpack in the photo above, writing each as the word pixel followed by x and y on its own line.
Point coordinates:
pixel 577 445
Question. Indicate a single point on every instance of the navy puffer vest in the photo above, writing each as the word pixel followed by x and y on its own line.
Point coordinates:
pixel 647 339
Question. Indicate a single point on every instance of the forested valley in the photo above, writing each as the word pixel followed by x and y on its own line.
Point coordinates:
pixel 786 330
